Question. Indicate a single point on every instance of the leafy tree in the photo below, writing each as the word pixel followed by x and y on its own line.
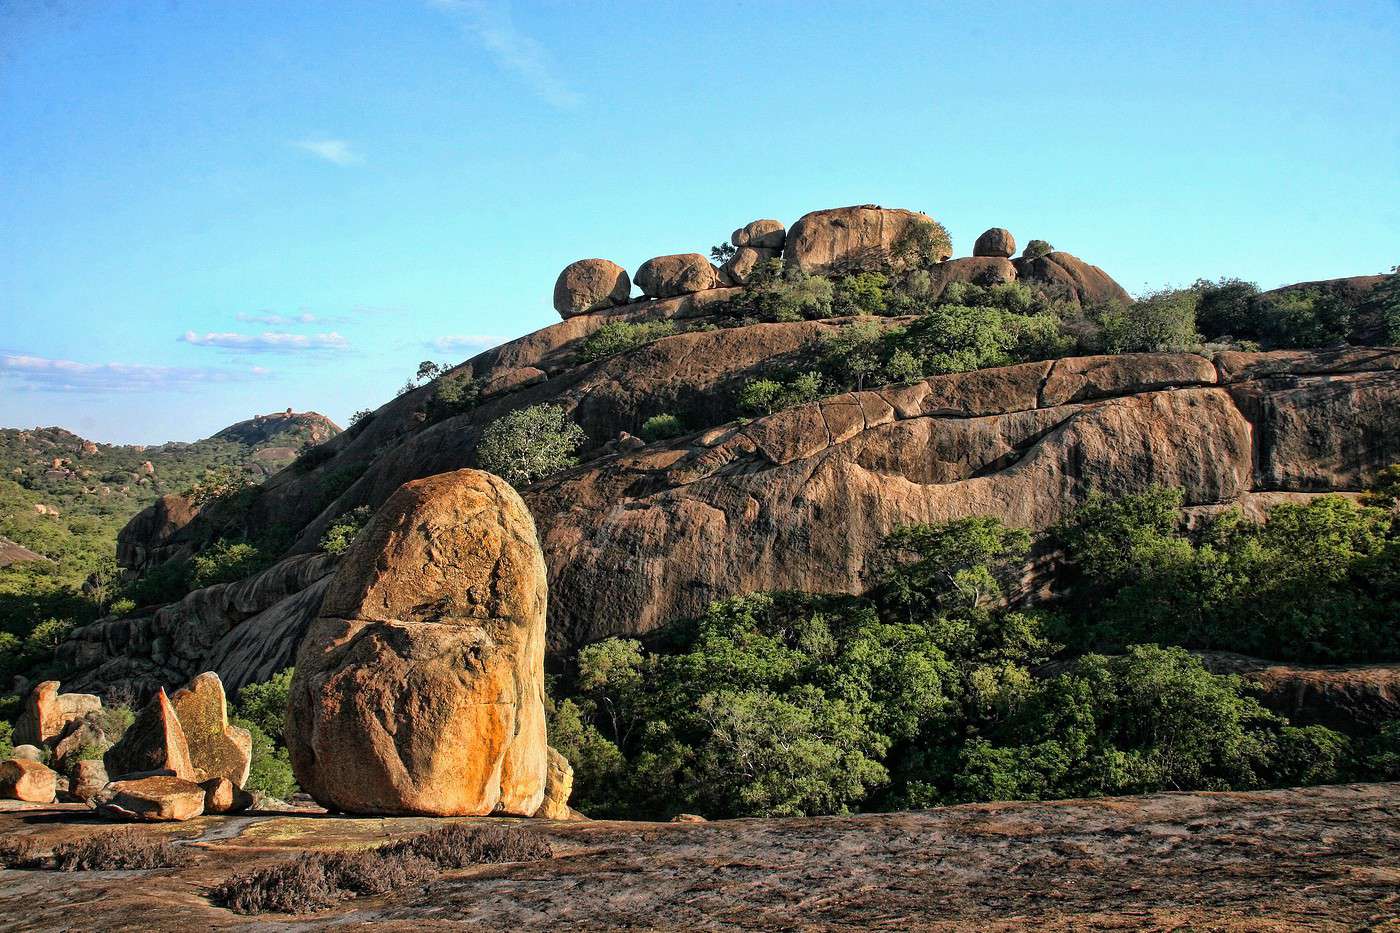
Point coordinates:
pixel 860 293
pixel 529 443
pixel 428 371
pixel 271 770
pixel 226 562
pixel 1225 307
pixel 722 253
pixel 265 704
pixel 765 396
pixel 1159 321
pixel 922 244
pixel 856 352
pixel 455 395
pixel 777 292
pixel 221 484
pixel 341 533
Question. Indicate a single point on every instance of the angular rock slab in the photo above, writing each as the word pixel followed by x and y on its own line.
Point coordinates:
pixel 216 748
pixel 22 779
pixel 558 785
pixel 46 712
pixel 159 798
pixel 154 742
pixel 419 689
pixel 86 779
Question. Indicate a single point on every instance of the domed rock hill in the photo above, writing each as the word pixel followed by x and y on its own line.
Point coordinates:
pixel 799 498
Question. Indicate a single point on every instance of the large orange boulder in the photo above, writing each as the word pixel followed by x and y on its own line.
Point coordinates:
pixel 672 276
pixel 30 781
pixel 153 798
pixel 997 241
pixel 419 688
pixel 47 712
pixel 216 748
pixel 154 742
pixel 848 239
pixel 1071 278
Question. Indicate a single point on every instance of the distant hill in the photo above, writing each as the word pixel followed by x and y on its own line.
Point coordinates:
pixel 65 497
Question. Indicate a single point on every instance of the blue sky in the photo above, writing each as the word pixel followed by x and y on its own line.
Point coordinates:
pixel 214 209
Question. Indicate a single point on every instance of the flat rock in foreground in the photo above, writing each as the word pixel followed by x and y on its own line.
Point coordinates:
pixel 1319 858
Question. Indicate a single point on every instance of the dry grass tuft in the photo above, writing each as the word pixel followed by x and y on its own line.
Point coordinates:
pixel 20 852
pixel 318 880
pixel 119 850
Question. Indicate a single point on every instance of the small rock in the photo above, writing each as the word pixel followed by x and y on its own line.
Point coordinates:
pixel 22 779
pixel 997 241
pixel 764 234
pixel 222 796
pixel 27 753
pixel 86 779
pixel 590 285
pixel 688 818
pixel 627 441
pixel 157 799
pixel 558 785
pixel 673 276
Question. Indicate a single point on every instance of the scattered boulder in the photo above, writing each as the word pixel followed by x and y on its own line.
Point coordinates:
pixel 1072 278
pixel 626 441
pixel 761 234
pixel 688 818
pixel 29 781
pixel 672 276
pixel 997 241
pixel 850 239
pixel 590 285
pixel 216 748
pixel 158 798
pixel 79 733
pixel 222 796
pixel 737 269
pixel 86 779
pixel 154 741
pixel 419 688
pixel 47 712
pixel 558 785
pixel 27 753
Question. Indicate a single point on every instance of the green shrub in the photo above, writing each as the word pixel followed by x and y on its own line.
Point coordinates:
pixel 621 336
pixel 265 704
pixel 1301 318
pixel 765 396
pixel 528 444
pixel 660 427
pixel 1157 322
pixel 455 395
pixel 341 533
pixel 785 293
pixel 225 484
pixel 1224 308
pixel 722 253
pixel 7 746
pixel 271 770
pixel 115 720
pixel 163 583
pixel 226 562
pixel 1037 248
pixel 860 293
pixel 922 244
pixel 361 417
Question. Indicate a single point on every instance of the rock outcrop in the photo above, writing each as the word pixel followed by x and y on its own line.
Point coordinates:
pixel 558 785
pixel 673 276
pixel 590 285
pixel 1347 697
pixel 1071 278
pixel 47 713
pixel 419 688
pixel 848 239
pixel 148 536
pixel 216 749
pixel 155 741
pixel 760 234
pixel 997 241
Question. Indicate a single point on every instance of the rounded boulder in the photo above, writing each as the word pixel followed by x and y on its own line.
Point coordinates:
pixel 590 285
pixel 864 238
pixel 760 234
pixel 997 241
pixel 420 687
pixel 673 276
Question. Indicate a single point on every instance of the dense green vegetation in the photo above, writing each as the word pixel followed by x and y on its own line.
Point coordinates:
pixel 932 689
pixel 621 336
pixel 262 710
pixel 529 443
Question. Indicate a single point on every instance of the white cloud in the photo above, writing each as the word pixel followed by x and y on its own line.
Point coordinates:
pixel 465 341
pixel 267 341
pixel 281 320
pixel 338 151
pixel 490 23
pixel 49 375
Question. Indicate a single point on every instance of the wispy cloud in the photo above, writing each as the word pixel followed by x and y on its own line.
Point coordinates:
pixel 338 151
pixel 465 342
pixel 491 24
pixel 40 373
pixel 283 320
pixel 267 341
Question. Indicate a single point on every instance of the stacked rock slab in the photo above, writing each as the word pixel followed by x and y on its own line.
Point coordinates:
pixel 419 689
pixel 673 276
pixel 590 285
pixel 755 243
pixel 216 749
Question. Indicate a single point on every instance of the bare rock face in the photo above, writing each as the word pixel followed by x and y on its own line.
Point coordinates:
pixel 997 241
pixel 1340 696
pixel 672 276
pixel 47 712
pixel 217 749
pixel 590 285
pixel 21 779
pixel 760 234
pixel 148 536
pixel 558 785
pixel 154 742
pixel 158 798
pixel 848 239
pixel 419 689
pixel 1072 278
